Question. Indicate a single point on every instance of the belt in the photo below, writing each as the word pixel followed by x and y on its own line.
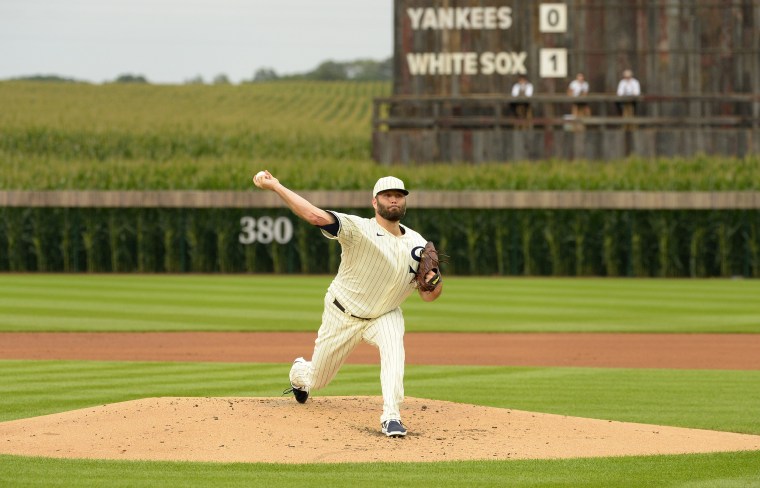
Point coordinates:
pixel 343 309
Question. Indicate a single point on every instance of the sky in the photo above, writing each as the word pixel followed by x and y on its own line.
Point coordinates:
pixel 173 41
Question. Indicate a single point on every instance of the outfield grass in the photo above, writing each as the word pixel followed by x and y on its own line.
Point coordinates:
pixel 722 400
pixel 294 303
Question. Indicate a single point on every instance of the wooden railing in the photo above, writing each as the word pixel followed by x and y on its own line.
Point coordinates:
pixel 555 111
pixel 637 200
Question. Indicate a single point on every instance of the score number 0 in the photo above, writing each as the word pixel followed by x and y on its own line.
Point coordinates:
pixel 552 62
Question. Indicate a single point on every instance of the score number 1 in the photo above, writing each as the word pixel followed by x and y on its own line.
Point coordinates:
pixel 552 62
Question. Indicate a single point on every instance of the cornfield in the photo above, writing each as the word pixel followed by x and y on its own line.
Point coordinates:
pixel 148 137
pixel 482 242
pixel 317 136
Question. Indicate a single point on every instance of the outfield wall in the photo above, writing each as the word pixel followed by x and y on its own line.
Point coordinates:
pixel 636 234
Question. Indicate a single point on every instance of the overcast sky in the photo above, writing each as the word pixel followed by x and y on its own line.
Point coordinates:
pixel 171 41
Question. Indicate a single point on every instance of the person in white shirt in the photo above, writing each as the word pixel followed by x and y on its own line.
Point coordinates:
pixel 378 260
pixel 628 87
pixel 579 88
pixel 521 89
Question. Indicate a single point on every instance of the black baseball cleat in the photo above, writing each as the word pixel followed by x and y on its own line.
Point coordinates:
pixel 301 395
pixel 393 428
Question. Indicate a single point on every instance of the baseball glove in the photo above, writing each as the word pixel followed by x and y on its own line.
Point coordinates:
pixel 428 262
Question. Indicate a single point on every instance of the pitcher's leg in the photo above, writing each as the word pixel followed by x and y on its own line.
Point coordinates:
pixel 337 337
pixel 387 334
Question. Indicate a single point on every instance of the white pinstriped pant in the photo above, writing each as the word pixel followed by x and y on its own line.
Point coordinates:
pixel 338 335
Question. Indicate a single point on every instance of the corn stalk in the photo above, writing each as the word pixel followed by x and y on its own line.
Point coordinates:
pixel 552 236
pixel 580 228
pixel 753 243
pixel 610 245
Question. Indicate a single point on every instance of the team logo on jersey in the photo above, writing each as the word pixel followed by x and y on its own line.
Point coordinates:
pixel 417 253
pixel 417 256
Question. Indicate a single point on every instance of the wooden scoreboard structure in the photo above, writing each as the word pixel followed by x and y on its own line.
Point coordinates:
pixel 455 62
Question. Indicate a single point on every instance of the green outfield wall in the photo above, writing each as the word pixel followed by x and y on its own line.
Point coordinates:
pixel 496 241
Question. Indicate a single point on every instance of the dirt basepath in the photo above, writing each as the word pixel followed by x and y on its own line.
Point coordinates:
pixel 685 351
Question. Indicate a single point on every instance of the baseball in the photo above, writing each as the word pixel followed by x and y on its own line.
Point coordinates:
pixel 259 175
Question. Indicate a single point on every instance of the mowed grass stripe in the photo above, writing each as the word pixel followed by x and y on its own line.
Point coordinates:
pixel 714 399
pixel 557 321
pixel 592 306
pixel 541 288
pixel 262 321
pixel 718 400
pixel 278 302
pixel 197 283
pixel 212 318
pixel 57 388
pixel 154 303
pixel 696 470
pixel 612 294
pixel 105 300
pixel 605 306
pixel 21 296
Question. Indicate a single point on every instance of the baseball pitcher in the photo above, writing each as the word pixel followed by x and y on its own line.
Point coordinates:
pixel 382 263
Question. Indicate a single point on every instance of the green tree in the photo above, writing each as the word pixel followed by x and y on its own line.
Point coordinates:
pixel 130 78
pixel 370 70
pixel 265 74
pixel 196 80
pixel 221 79
pixel 329 71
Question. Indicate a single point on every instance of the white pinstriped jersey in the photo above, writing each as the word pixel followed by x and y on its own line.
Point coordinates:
pixel 376 268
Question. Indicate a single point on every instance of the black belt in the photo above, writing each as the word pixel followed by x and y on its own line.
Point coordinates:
pixel 343 309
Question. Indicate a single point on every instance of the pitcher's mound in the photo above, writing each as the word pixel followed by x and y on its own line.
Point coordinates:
pixel 339 429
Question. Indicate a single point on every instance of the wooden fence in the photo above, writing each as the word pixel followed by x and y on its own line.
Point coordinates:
pixel 633 200
pixel 482 128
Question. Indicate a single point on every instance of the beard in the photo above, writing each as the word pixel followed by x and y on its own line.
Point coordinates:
pixel 391 214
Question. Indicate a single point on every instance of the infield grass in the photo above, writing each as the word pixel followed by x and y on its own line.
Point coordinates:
pixel 294 303
pixel 704 470
pixel 724 400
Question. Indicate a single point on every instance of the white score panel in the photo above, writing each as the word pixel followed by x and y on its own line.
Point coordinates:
pixel 552 17
pixel 552 62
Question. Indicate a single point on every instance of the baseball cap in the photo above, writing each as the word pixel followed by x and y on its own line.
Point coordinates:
pixel 389 183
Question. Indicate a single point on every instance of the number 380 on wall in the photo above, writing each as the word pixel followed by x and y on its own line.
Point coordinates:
pixel 265 229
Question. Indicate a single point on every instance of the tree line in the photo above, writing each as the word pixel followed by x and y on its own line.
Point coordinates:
pixel 356 70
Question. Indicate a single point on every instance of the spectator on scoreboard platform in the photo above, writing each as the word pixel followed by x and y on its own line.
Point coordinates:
pixel 628 87
pixel 579 88
pixel 522 89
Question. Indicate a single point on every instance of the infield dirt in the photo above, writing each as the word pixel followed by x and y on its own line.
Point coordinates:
pixel 339 429
pixel 686 351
